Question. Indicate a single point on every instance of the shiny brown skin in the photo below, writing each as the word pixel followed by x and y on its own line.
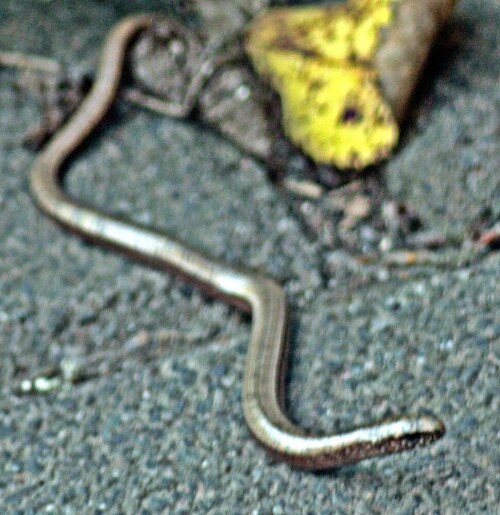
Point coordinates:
pixel 263 378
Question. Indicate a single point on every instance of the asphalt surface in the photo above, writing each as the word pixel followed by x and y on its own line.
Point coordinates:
pixel 154 424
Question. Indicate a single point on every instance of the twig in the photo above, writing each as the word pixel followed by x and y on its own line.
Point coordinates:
pixel 454 259
pixel 172 109
pixel 307 189
pixel 30 62
pixel 75 369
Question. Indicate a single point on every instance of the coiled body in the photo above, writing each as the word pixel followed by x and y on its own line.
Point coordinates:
pixel 264 368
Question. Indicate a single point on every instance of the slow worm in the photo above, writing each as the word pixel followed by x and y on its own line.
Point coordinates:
pixel 264 298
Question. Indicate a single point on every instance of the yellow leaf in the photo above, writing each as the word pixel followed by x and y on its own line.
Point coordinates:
pixel 320 61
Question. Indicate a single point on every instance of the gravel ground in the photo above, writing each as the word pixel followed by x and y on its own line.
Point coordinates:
pixel 158 425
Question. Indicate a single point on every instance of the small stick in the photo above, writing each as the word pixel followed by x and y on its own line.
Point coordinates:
pixel 172 109
pixel 307 189
pixel 29 62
